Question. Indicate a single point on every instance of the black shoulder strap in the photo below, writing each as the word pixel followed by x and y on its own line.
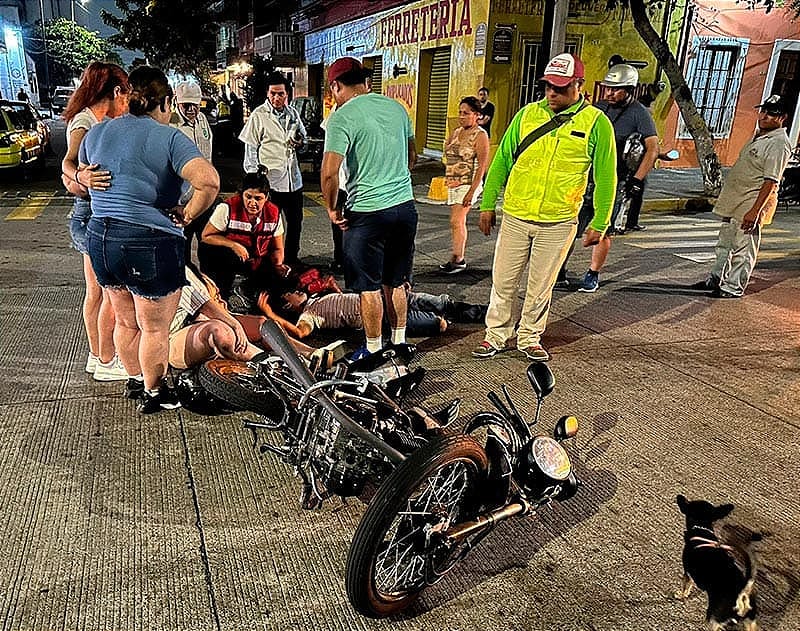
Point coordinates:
pixel 546 128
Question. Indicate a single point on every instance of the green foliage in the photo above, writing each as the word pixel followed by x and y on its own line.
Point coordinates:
pixel 173 34
pixel 71 47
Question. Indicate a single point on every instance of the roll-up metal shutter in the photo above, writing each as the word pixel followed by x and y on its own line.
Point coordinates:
pixel 377 75
pixel 437 102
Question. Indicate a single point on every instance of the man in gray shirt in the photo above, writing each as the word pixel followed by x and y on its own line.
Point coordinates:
pixel 748 201
pixel 628 117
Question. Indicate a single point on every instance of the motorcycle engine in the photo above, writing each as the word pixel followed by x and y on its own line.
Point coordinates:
pixel 343 462
pixel 545 469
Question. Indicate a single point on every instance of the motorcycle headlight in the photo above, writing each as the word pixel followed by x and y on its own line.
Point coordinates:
pixel 550 457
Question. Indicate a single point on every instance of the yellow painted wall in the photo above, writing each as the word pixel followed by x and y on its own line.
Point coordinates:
pixel 597 38
pixel 399 36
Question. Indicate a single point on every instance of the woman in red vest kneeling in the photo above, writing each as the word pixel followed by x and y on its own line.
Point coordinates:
pixel 244 236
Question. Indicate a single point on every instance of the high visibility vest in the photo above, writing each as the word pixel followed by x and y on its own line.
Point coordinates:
pixel 256 237
pixel 548 181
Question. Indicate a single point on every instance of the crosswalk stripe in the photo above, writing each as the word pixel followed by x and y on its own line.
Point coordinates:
pixel 29 209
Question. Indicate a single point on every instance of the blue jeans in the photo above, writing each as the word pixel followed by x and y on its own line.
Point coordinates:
pixel 146 261
pixel 78 222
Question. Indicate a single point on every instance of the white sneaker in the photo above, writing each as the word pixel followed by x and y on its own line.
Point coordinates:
pixel 112 371
pixel 91 363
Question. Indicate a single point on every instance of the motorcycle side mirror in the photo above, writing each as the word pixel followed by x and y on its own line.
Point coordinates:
pixel 672 154
pixel 566 427
pixel 542 380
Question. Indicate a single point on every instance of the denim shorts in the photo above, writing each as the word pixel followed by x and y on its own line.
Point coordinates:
pixel 148 262
pixel 379 247
pixel 78 221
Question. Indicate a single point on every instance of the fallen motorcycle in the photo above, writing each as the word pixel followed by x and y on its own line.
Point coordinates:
pixel 439 493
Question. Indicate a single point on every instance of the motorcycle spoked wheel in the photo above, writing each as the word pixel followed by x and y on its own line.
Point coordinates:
pixel 393 557
pixel 240 385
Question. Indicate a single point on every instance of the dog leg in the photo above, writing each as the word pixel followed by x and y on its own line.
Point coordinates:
pixel 742 605
pixel 750 625
pixel 686 588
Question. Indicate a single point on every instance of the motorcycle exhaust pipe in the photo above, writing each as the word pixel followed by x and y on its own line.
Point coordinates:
pixel 274 334
pixel 486 521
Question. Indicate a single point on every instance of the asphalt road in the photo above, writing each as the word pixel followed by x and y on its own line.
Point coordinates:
pixel 110 520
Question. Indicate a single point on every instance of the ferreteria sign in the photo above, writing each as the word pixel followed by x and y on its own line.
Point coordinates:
pixel 436 20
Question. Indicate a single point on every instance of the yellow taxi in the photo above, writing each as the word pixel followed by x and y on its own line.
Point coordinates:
pixel 20 142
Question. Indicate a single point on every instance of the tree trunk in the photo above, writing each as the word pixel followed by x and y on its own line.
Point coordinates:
pixel 704 144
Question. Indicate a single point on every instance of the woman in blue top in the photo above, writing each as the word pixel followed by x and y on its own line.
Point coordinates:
pixel 135 236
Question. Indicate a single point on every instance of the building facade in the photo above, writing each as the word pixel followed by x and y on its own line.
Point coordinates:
pixel 431 53
pixel 735 58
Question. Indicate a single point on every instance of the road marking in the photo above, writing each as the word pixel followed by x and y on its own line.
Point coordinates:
pixel 31 208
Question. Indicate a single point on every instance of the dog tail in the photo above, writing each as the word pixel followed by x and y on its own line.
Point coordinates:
pixel 743 601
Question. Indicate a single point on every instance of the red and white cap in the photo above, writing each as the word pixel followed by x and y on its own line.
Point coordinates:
pixel 562 69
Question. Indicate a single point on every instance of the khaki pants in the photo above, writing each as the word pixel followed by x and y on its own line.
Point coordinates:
pixel 736 254
pixel 544 246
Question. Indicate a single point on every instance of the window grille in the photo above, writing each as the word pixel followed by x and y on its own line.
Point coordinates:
pixel 714 75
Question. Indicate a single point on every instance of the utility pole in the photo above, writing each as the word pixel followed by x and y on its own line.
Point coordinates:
pixel 554 29
pixel 44 46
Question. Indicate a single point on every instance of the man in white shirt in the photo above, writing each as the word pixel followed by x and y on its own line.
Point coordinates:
pixel 271 136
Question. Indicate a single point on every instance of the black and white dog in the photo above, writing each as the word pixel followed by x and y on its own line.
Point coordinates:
pixel 726 573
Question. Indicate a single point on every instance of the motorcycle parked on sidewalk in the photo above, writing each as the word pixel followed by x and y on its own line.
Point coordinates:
pixel 439 493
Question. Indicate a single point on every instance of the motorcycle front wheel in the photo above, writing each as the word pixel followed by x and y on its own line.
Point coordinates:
pixel 396 552
pixel 240 385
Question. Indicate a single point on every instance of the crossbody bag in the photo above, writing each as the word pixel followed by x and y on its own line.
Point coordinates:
pixel 546 128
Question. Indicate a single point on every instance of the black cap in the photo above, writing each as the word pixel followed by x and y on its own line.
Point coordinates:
pixel 773 105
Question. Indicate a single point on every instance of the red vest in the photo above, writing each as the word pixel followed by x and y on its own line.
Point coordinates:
pixel 256 237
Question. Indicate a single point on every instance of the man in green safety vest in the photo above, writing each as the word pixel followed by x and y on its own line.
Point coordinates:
pixel 544 160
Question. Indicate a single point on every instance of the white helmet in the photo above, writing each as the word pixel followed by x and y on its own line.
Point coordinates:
pixel 621 76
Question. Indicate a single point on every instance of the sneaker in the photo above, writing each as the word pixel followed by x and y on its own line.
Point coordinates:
pixel 134 388
pixel 166 399
pixel 636 228
pixel 484 350
pixel 536 353
pixel 91 363
pixel 360 353
pixel 562 285
pixel 590 282
pixel 721 293
pixel 453 268
pixel 112 371
pixel 709 283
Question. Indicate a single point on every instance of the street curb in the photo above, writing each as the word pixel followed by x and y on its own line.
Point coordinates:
pixel 670 204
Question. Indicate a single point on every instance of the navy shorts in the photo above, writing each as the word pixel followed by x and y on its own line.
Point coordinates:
pixel 379 247
pixel 78 222
pixel 148 262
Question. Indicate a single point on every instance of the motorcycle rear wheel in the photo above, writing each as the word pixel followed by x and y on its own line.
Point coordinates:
pixel 240 385
pixel 393 556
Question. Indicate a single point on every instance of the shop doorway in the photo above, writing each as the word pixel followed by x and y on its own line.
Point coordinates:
pixel 529 88
pixel 784 78
pixel 434 90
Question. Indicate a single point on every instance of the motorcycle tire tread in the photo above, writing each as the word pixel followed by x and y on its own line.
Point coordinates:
pixel 386 503
pixel 216 376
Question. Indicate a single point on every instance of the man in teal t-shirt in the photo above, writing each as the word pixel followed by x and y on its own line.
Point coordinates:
pixel 372 135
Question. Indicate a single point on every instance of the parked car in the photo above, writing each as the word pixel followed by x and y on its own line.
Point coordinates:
pixel 60 97
pixel 20 143
pixel 32 119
